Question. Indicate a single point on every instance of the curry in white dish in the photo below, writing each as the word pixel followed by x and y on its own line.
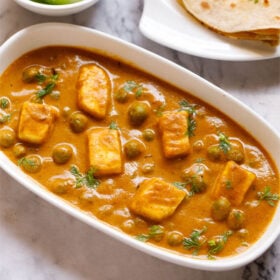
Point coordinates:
pixel 136 152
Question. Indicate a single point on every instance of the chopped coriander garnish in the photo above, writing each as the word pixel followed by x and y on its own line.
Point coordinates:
pixel 51 83
pixel 191 126
pixel 191 109
pixel 86 179
pixel 132 86
pixel 268 196
pixel 224 143
pixel 195 240
pixel 218 243
pixel 26 161
pixel 113 125
pixel 4 103
pixel 46 90
pixel 186 106
pixel 155 232
pixel 228 184
pixel 30 163
pixel 40 78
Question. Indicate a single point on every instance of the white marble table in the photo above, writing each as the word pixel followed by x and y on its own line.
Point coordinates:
pixel 38 241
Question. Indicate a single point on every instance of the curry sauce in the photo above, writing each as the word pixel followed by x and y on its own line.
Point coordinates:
pixel 136 152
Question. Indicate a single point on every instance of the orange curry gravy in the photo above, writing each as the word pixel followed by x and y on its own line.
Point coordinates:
pixel 110 201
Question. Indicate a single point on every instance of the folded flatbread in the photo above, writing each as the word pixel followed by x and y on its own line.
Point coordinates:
pixel 241 19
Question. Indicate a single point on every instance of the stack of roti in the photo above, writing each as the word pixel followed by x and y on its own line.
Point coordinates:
pixel 241 19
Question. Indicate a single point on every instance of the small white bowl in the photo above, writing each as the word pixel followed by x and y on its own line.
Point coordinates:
pixel 56 10
pixel 34 37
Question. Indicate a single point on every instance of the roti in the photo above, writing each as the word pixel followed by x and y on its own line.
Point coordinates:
pixel 240 19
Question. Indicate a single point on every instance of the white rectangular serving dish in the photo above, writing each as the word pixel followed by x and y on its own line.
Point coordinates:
pixel 58 34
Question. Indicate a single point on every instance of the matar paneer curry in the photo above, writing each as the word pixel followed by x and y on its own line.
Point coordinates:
pixel 136 152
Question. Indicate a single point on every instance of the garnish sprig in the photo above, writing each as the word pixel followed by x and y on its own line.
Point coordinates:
pixel 218 243
pixel 224 143
pixel 132 86
pixel 155 232
pixel 191 109
pixel 268 196
pixel 195 241
pixel 86 179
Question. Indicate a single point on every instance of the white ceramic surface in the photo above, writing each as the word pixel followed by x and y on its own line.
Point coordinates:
pixel 56 10
pixel 167 23
pixel 70 35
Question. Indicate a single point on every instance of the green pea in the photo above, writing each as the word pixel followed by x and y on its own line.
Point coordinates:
pixel 7 137
pixel 30 74
pixel 31 163
pixel 214 152
pixel 121 96
pixel 236 155
pixel 133 148
pixel 148 168
pixel 78 122
pixel 220 209
pixel 149 134
pixel 61 185
pixel 236 219
pixel 19 150
pixel 5 102
pixel 62 153
pixel 138 112
pixel 175 238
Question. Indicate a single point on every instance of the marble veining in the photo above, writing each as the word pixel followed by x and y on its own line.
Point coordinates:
pixel 38 241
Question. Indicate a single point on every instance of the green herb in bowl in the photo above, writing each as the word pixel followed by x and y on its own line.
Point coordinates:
pixel 56 2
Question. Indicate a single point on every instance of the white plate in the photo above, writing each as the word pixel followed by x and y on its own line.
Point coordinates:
pixel 167 23
pixel 70 35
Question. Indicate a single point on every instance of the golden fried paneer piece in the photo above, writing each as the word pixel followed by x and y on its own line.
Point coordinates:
pixel 233 182
pixel 36 122
pixel 156 199
pixel 105 152
pixel 174 127
pixel 93 90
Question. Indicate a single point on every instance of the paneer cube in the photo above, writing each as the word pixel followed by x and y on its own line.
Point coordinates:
pixel 93 90
pixel 156 199
pixel 174 127
pixel 105 152
pixel 233 182
pixel 36 122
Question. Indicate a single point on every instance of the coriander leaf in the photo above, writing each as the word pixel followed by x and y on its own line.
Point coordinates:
pixel 46 90
pixel 228 184
pixel 191 109
pixel 4 103
pixel 268 196
pixel 26 161
pixel 132 86
pixel 218 243
pixel 113 125
pixel 40 78
pixel 195 240
pixel 191 126
pixel 224 143
pixel 155 232
pixel 143 237
pixel 186 106
pixel 86 179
